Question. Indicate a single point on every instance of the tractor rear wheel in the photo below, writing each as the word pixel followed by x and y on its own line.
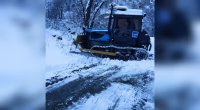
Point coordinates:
pixel 141 55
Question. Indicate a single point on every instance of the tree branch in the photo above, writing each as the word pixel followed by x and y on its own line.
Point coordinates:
pixel 88 13
pixel 83 9
pixel 96 11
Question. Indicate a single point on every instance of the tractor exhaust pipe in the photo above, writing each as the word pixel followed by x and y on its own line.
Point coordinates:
pixel 110 18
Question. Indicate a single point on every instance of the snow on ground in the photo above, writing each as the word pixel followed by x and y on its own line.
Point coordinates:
pixel 121 93
pixel 153 45
pixel 117 97
pixel 81 81
pixel 57 51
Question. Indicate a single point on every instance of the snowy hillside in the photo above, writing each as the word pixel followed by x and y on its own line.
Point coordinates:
pixel 84 82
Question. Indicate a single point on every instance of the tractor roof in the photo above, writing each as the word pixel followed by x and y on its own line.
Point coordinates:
pixel 122 10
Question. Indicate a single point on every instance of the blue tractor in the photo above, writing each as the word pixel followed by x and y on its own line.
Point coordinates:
pixel 123 39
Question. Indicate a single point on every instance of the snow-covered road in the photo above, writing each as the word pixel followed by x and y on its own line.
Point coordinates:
pixel 81 82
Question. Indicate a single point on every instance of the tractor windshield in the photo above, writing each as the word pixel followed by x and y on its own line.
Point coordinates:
pixel 122 27
pixel 123 23
pixel 133 24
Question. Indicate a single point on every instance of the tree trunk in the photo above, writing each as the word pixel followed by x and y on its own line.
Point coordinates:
pixel 88 13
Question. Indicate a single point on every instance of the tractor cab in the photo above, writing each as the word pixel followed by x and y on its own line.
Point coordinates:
pixel 126 26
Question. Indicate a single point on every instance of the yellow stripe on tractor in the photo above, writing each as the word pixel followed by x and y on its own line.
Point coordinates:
pixel 99 52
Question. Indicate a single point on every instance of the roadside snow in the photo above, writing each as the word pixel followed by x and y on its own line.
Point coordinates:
pixel 57 51
pixel 153 45
pixel 130 67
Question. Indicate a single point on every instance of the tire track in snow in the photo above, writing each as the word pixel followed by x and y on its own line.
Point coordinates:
pixel 64 96
pixel 137 80
pixel 92 81
pixel 115 97
pixel 57 78
pixel 118 96
pixel 95 71
pixel 143 83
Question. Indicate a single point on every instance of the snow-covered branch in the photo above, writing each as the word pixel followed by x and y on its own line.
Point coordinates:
pixel 88 13
pixel 96 10
pixel 83 9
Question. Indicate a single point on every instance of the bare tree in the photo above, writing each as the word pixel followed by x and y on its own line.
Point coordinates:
pixel 96 10
pixel 88 13
pixel 83 9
